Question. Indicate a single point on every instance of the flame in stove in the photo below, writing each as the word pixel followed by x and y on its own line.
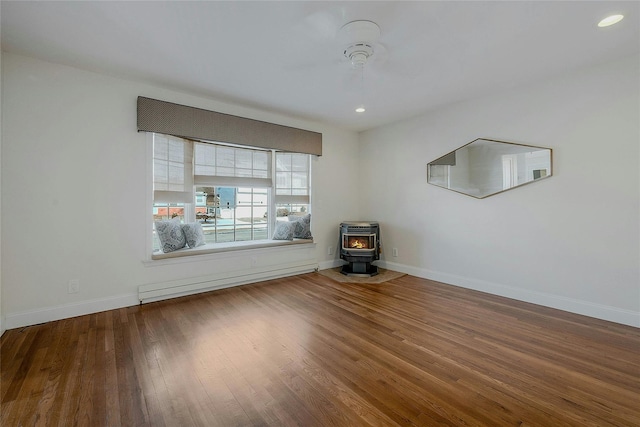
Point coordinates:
pixel 357 244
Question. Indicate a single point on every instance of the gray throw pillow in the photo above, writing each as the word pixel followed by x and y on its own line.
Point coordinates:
pixel 302 228
pixel 194 234
pixel 284 230
pixel 170 235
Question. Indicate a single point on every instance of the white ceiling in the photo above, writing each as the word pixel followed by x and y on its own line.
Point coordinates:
pixel 284 56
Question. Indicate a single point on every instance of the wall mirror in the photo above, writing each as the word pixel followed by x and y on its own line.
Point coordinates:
pixel 485 167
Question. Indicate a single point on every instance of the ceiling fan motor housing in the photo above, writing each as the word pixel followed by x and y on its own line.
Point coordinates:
pixel 358 53
pixel 359 38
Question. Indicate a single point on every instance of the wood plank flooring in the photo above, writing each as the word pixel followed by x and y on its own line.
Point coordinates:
pixel 309 351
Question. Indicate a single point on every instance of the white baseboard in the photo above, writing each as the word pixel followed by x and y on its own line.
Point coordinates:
pixel 598 311
pixel 155 293
pixel 330 264
pixel 193 285
pixel 34 317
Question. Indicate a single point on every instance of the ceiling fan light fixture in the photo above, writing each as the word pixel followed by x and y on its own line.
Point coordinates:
pixel 360 109
pixel 610 20
pixel 359 59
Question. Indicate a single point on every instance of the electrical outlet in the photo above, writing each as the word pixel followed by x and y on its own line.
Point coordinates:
pixel 394 251
pixel 330 250
pixel 74 286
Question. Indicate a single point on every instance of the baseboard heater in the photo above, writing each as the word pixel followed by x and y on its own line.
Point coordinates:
pixel 175 288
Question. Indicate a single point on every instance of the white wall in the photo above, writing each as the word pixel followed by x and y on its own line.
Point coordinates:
pixel 73 191
pixel 2 322
pixel 570 242
pixel 73 184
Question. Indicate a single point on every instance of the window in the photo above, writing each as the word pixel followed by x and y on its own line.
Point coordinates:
pixel 172 170
pixel 236 193
pixel 292 184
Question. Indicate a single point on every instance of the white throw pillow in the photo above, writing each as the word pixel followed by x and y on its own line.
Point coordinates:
pixel 170 234
pixel 194 234
pixel 302 228
pixel 284 230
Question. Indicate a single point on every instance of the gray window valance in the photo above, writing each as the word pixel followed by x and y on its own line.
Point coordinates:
pixel 196 123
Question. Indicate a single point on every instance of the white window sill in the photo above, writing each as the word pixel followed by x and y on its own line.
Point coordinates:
pixel 225 247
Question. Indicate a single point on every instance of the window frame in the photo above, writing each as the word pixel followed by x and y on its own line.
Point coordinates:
pixel 190 209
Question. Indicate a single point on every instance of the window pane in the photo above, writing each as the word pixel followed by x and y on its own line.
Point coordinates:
pixel 160 148
pixel 283 180
pixel 299 180
pixel 261 174
pixel 285 210
pixel 225 157
pixel 243 159
pixel 205 159
pixel 205 170
pixel 238 213
pixel 176 151
pixel 224 171
pixel 161 174
pixel 260 160
pixel 283 161
pixel 292 175
pixel 244 173
pixel 176 176
pixel 299 162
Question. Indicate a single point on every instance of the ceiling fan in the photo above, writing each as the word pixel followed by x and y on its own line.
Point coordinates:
pixel 322 44
pixel 360 42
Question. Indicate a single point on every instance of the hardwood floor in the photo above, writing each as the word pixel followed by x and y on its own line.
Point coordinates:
pixel 309 351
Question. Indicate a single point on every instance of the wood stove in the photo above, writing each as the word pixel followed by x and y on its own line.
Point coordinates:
pixel 359 246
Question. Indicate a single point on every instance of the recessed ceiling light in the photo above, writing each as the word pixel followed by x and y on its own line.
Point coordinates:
pixel 360 109
pixel 610 20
